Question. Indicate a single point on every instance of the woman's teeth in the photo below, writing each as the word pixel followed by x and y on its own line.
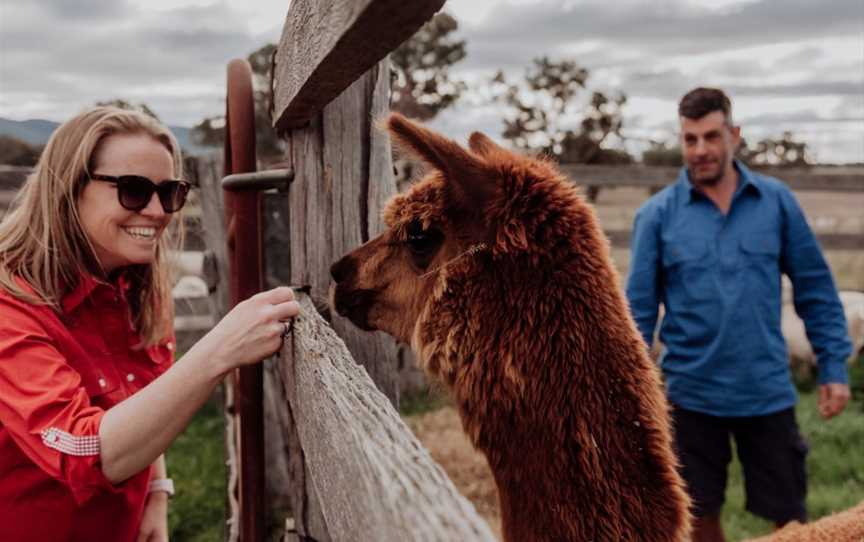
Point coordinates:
pixel 141 233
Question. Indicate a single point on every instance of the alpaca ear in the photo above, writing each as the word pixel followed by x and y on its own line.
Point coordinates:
pixel 483 146
pixel 466 173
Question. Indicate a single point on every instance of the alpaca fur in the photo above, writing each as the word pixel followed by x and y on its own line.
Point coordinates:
pixel 845 526
pixel 532 336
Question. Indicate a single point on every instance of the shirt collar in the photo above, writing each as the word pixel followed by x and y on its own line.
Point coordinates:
pixel 746 181
pixel 87 284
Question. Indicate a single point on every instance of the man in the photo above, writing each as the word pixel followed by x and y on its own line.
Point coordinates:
pixel 711 247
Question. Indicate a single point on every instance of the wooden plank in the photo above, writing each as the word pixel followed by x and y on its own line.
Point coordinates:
pixel 206 173
pixel 818 178
pixel 290 470
pixel 357 202
pixel 828 241
pixel 327 44
pixel 334 203
pixel 368 469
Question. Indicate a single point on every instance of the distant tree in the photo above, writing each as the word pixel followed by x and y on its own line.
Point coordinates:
pixel 785 151
pixel 268 144
pixel 661 154
pixel 211 130
pixel 14 152
pixel 124 104
pixel 547 101
pixel 421 84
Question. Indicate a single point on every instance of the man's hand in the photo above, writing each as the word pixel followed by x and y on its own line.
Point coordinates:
pixel 832 399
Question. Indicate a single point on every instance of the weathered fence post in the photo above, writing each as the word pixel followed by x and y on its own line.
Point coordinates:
pixel 330 84
pixel 335 200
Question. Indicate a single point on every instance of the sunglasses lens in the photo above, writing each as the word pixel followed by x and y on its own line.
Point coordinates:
pixel 173 194
pixel 134 192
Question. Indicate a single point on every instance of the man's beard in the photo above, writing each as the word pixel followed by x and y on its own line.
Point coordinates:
pixel 711 180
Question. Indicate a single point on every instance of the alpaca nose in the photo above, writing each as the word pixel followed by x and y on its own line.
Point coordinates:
pixel 342 270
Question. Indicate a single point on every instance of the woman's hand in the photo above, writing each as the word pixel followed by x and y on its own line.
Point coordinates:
pixel 253 329
pixel 154 523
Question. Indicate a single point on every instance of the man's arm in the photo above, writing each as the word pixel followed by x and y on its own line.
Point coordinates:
pixel 643 281
pixel 817 303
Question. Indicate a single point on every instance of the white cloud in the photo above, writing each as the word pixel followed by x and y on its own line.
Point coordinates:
pixel 798 62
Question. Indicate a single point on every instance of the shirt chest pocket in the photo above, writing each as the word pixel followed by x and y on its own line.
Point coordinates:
pixel 760 258
pixel 150 363
pixel 760 247
pixel 101 386
pixel 688 268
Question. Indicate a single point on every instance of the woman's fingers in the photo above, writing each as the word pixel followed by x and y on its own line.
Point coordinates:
pixel 286 310
pixel 253 330
pixel 277 295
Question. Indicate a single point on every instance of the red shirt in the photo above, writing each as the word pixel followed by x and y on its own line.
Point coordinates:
pixel 59 373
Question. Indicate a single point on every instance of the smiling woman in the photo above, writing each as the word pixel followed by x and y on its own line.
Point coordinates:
pixel 121 236
pixel 89 397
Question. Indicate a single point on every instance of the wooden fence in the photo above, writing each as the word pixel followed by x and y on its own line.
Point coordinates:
pixel 354 470
pixel 826 179
pixel 822 179
pixel 594 178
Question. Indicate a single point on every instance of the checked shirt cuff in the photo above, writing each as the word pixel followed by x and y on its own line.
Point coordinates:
pixel 70 444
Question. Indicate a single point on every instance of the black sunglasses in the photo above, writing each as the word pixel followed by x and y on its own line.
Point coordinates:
pixel 135 191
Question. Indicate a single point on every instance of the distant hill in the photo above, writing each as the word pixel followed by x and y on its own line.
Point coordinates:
pixel 37 132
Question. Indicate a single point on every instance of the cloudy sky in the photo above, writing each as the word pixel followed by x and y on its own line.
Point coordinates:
pixel 788 64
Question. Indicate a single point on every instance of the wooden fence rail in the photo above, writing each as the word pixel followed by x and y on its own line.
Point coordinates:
pixel 822 179
pixel 373 480
pixel 827 179
pixel 833 179
pixel 828 241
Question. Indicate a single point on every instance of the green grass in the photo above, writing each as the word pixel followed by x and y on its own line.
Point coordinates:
pixel 423 401
pixel 835 464
pixel 196 462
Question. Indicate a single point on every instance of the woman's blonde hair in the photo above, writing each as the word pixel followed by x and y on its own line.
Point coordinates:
pixel 42 240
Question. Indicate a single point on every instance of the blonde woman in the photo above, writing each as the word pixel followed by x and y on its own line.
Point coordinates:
pixel 89 397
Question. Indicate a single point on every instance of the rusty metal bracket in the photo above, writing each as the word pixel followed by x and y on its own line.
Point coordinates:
pixel 279 179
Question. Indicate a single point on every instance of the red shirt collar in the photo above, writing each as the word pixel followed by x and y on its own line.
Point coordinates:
pixel 87 284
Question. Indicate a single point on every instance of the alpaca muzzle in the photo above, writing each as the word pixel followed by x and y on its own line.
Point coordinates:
pixel 354 305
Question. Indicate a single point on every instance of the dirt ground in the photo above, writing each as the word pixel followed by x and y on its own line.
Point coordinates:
pixel 440 431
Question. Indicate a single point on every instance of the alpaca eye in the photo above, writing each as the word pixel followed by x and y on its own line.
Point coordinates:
pixel 423 242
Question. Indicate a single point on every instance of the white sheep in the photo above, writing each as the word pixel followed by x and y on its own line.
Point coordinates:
pixel 801 355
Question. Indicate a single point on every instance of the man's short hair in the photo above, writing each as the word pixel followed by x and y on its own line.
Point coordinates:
pixel 701 101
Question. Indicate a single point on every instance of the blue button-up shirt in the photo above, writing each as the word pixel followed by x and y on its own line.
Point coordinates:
pixel 718 277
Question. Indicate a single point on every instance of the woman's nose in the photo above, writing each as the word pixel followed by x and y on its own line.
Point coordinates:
pixel 154 207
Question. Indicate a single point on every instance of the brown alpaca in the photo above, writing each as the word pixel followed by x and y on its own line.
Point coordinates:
pixel 497 273
pixel 845 526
